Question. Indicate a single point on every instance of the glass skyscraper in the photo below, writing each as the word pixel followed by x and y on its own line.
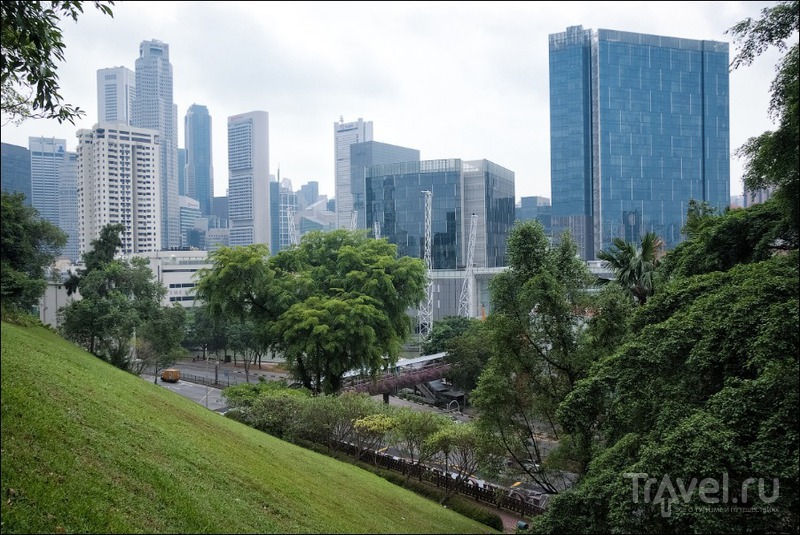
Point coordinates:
pixel 16 170
pixel 199 171
pixel 367 154
pixel 639 126
pixel 459 189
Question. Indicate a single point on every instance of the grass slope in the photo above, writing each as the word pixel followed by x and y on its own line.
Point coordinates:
pixel 89 448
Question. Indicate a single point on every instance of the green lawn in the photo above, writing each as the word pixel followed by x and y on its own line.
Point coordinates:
pixel 89 448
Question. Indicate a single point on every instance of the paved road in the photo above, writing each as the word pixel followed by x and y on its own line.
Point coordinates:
pixel 211 398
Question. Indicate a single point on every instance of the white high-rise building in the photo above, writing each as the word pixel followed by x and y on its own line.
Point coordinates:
pixel 47 155
pixel 118 182
pixel 153 108
pixel 116 89
pixel 344 135
pixel 248 179
pixel 68 214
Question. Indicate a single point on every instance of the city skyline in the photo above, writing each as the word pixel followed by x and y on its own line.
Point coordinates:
pixel 454 80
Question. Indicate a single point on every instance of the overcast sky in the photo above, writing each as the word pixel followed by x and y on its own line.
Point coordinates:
pixel 462 80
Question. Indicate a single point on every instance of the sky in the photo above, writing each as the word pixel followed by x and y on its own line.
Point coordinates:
pixel 464 80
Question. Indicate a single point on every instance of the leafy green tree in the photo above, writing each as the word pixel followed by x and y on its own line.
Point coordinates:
pixel 371 431
pixel 411 430
pixel 705 387
pixel 443 331
pixel 462 449
pixel 634 266
pixel 771 158
pixel 32 44
pixel 29 246
pixel 335 303
pixel 159 338
pixel 538 335
pixel 467 354
pixel 104 249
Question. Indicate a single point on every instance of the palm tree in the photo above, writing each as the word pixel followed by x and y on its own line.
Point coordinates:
pixel 634 266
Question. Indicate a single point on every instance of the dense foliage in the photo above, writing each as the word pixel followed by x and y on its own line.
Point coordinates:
pixel 28 246
pixel 335 303
pixel 32 43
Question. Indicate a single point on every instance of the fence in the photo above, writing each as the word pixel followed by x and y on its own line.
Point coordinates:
pixel 221 382
pixel 495 495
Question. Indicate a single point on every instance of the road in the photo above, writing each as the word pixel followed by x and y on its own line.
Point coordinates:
pixel 210 398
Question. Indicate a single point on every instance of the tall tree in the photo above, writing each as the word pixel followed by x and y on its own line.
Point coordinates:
pixel 537 331
pixel 32 43
pixel 102 252
pixel 335 303
pixel 29 245
pixel 771 158
pixel 635 266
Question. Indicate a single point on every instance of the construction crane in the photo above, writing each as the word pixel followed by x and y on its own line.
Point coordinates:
pixel 354 220
pixel 376 229
pixel 465 306
pixel 426 308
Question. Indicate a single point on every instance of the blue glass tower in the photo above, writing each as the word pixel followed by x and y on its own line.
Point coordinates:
pixel 199 169
pixel 16 170
pixel 639 126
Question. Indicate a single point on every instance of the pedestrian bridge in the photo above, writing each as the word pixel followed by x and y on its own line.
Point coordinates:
pixel 407 373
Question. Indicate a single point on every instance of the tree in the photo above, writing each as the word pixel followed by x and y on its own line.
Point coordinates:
pixel 159 338
pixel 411 430
pixel 32 44
pixel 443 331
pixel 771 158
pixel 370 431
pixel 635 266
pixel 467 354
pixel 706 387
pixel 463 449
pixel 29 246
pixel 538 334
pixel 336 303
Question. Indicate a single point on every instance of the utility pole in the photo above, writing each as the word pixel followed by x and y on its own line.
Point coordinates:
pixel 426 308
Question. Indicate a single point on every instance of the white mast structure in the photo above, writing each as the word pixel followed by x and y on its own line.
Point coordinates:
pixel 465 303
pixel 426 308
pixel 354 220
pixel 291 228
pixel 376 229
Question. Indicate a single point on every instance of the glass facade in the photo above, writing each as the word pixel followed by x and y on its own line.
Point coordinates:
pixel 639 127
pixel 15 173
pixel 395 200
pixel 367 154
pixel 199 170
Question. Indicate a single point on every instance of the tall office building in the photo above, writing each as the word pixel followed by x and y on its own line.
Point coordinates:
pixel 68 206
pixel 47 155
pixel 367 154
pixel 116 89
pixel 308 194
pixel 118 182
pixel 182 186
pixel 538 209
pixel 639 126
pixel 459 189
pixel 15 170
pixel 344 135
pixel 248 179
pixel 199 171
pixel 190 212
pixel 153 108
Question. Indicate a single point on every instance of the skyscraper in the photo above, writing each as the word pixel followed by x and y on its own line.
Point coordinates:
pixel 199 170
pixel 248 179
pixel 116 89
pixel 153 108
pixel 68 206
pixel 15 170
pixel 460 188
pixel 639 126
pixel 47 155
pixel 118 182
pixel 344 135
pixel 366 154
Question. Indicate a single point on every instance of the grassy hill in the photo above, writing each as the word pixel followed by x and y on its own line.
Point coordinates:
pixel 89 448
